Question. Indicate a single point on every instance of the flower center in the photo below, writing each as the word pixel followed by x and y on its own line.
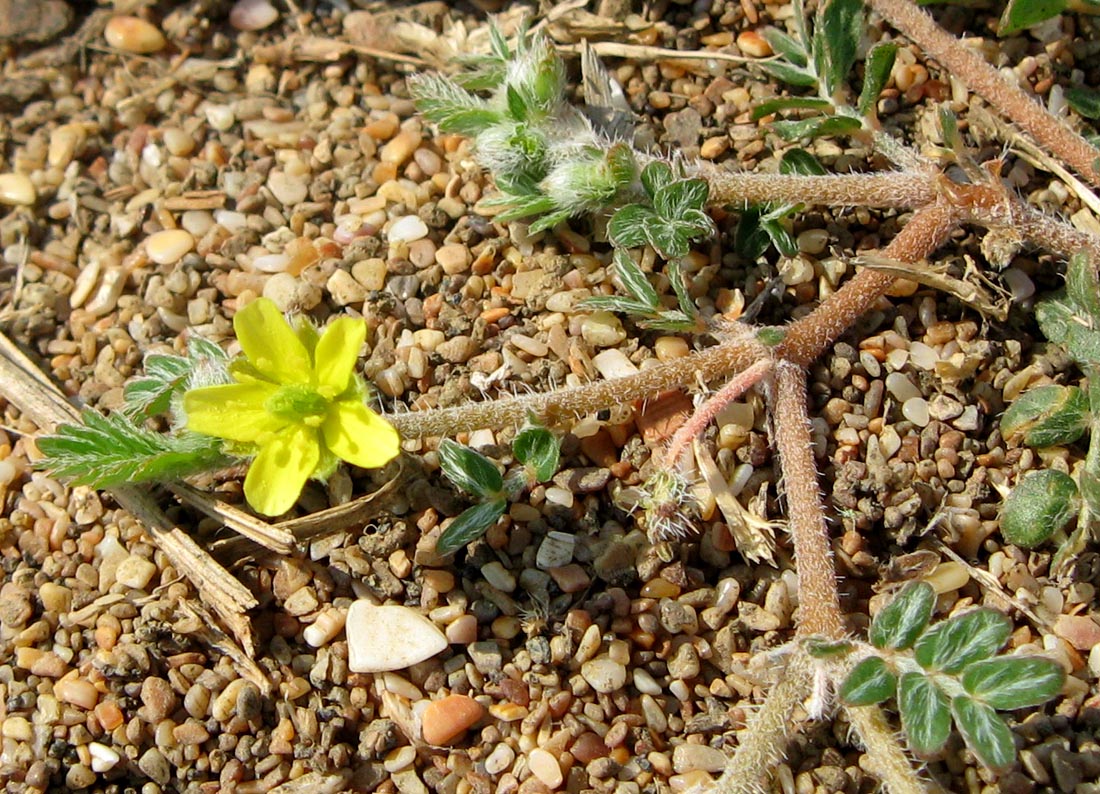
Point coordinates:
pixel 297 403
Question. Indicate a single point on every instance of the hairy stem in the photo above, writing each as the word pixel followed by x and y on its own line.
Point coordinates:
pixel 1049 130
pixel 733 355
pixel 818 599
pixel 807 338
pixel 738 385
pixel 888 760
pixel 763 741
pixel 893 189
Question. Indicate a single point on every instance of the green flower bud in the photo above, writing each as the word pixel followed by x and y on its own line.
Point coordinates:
pixel 1041 504
pixel 1047 416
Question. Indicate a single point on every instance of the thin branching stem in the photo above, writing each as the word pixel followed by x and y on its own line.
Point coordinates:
pixel 818 599
pixel 697 423
pixel 1050 131
pixel 808 338
pixel 891 189
pixel 737 353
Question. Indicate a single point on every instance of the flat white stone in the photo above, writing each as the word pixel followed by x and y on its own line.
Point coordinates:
pixel 383 638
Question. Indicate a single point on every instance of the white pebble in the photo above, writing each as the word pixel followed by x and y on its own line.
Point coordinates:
pixel 559 497
pixel 220 117
pixel 16 190
pixel 915 410
pixel 498 576
pixel 602 329
pixel 391 637
pixel 544 765
pixel 133 34
pixel 327 625
pixel 922 356
pixel 555 550
pixel 169 246
pixel 613 363
pixel 645 683
pixel 603 674
pixel 104 759
pixel 289 190
pixel 271 263
pixel 252 14
pixel 407 229
pixel 1019 284
pixel 500 760
pixel 135 572
pixel 231 221
pixel 901 387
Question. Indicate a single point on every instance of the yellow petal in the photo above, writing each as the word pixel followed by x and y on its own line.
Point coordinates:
pixel 275 478
pixel 271 344
pixel 234 411
pixel 360 436
pixel 337 352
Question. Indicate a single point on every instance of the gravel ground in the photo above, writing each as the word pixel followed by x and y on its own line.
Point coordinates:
pixel 158 173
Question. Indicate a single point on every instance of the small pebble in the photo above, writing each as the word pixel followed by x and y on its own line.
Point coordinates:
pixel 135 572
pixel 603 674
pixel 133 34
pixel 446 719
pixel 407 229
pixel 104 759
pixel 169 246
pixel 689 757
pixel 289 190
pixel 389 637
pixel 498 576
pixel 916 411
pixel 545 767
pixel 17 190
pixel 602 329
pixel 555 550
pixel 252 14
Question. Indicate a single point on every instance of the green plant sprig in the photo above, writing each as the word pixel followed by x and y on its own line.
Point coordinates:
pixel 535 447
pixel 946 672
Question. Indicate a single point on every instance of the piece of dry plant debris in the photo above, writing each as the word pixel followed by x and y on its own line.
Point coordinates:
pixel 300 406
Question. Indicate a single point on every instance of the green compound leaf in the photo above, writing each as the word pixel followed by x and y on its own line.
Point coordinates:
pixel 836 40
pixel 1042 503
pixel 469 470
pixel 953 644
pixel 1021 14
pixel 985 733
pixel 901 621
pixel 111 450
pixel 876 71
pixel 470 525
pixel 925 713
pixel 537 448
pixel 548 221
pixel 1014 682
pixel 1047 416
pixel 870 682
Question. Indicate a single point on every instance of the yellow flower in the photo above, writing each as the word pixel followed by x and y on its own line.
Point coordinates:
pixel 296 402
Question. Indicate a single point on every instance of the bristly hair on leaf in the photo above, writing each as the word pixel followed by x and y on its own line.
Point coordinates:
pixel 112 450
pixel 167 377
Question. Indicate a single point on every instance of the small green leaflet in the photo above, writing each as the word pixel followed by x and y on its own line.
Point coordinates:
pixel 470 525
pixel 876 71
pixel 985 733
pixel 951 645
pixel 901 621
pixel 469 470
pixel 1014 682
pixel 925 713
pixel 537 448
pixel 870 682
